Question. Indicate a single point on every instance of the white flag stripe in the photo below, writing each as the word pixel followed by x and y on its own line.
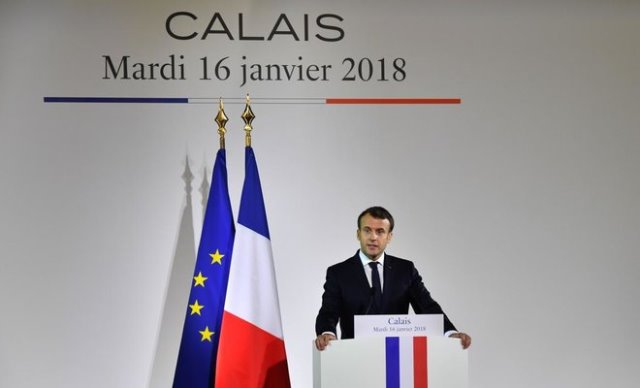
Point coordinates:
pixel 252 294
pixel 406 361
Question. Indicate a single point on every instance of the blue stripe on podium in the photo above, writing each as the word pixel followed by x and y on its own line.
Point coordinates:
pixel 392 350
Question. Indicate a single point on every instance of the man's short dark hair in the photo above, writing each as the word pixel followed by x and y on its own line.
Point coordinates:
pixel 377 212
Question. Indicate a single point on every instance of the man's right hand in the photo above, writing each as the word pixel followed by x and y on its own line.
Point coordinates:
pixel 322 341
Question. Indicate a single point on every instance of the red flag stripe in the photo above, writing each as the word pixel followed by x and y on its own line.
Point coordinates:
pixel 420 379
pixel 251 357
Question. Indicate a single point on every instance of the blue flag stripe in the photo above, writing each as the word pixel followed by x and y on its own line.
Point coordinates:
pixel 252 213
pixel 392 356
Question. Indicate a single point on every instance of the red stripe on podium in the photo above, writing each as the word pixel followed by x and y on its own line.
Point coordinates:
pixel 420 379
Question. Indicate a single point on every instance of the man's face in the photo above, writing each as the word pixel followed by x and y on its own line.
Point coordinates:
pixel 374 235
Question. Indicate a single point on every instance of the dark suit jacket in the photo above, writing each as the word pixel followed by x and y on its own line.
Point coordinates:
pixel 347 292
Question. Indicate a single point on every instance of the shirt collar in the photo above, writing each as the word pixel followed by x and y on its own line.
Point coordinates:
pixel 365 260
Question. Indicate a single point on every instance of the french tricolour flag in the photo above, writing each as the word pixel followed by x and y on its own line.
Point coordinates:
pixel 252 353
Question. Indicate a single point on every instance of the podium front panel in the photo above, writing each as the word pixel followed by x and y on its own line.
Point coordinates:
pixel 391 362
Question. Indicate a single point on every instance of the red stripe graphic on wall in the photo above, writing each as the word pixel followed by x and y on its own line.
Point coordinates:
pixel 393 101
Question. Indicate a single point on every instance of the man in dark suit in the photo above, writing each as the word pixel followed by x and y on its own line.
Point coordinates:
pixel 372 282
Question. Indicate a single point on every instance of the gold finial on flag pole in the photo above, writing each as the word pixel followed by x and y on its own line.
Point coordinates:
pixel 248 117
pixel 221 119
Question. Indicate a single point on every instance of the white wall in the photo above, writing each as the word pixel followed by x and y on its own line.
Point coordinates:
pixel 520 205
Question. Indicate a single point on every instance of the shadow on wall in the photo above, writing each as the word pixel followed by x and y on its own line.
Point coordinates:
pixel 177 294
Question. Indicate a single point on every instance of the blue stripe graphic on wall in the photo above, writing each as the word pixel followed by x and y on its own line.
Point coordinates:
pixel 392 353
pixel 118 100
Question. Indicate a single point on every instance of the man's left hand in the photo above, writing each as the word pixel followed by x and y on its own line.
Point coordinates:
pixel 465 339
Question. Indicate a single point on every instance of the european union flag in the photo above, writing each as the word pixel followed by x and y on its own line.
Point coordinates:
pixel 200 336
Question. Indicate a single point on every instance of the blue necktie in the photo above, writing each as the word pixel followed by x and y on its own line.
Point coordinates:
pixel 376 306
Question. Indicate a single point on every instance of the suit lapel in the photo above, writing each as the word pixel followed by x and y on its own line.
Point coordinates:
pixel 388 279
pixel 360 278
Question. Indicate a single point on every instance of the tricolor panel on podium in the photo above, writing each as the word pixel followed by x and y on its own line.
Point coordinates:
pixel 392 362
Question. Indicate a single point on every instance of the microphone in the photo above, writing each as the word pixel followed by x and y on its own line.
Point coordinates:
pixel 372 294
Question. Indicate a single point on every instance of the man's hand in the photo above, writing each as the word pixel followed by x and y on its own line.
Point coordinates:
pixel 465 339
pixel 322 341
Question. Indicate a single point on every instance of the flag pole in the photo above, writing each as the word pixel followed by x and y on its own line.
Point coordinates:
pixel 221 119
pixel 248 117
